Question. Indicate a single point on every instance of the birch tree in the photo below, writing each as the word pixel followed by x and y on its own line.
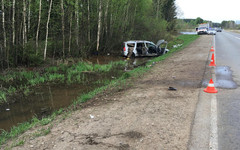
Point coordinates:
pixel 88 18
pixel 99 23
pixel 70 35
pixel 24 24
pixel 105 18
pixel 13 22
pixel 4 32
pixel 39 22
pixel 29 15
pixel 77 23
pixel 63 29
pixel 46 41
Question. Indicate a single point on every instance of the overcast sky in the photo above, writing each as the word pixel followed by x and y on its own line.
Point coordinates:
pixel 212 10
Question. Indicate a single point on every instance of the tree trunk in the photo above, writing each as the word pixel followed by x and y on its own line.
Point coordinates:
pixel 29 15
pixel 105 19
pixel 13 23
pixel 13 31
pixel 126 15
pixel 63 28
pixel 99 24
pixel 157 13
pixel 89 29
pixel 77 23
pixel 49 14
pixel 39 22
pixel 24 24
pixel 4 35
pixel 70 36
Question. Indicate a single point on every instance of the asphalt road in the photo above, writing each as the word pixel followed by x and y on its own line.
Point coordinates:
pixel 227 50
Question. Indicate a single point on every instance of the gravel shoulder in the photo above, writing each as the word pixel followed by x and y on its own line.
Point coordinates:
pixel 145 116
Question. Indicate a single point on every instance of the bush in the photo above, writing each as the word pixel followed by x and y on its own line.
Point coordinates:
pixel 30 58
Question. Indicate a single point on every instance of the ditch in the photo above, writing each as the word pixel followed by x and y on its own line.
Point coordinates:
pixel 47 98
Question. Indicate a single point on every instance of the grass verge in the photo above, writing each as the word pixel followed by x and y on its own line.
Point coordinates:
pixel 181 42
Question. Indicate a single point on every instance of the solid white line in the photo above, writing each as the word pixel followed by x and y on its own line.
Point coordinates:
pixel 237 37
pixel 213 143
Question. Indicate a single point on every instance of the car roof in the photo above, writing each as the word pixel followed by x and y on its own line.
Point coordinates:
pixel 133 41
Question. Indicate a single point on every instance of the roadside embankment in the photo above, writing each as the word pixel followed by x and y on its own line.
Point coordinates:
pixel 144 116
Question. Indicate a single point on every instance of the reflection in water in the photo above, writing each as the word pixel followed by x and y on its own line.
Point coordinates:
pixel 43 102
pixel 47 99
pixel 135 62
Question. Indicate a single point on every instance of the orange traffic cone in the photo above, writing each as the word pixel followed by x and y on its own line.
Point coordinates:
pixel 210 88
pixel 212 61
pixel 212 49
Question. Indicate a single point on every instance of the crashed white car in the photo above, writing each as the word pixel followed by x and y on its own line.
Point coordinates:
pixel 145 48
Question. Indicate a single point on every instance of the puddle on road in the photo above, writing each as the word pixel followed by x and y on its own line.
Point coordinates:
pixel 47 99
pixel 224 78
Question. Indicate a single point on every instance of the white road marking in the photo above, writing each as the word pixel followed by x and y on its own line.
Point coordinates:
pixel 237 37
pixel 213 143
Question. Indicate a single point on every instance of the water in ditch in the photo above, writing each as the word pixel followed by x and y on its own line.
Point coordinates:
pixel 48 98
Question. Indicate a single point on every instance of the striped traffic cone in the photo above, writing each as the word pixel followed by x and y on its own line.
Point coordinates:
pixel 210 88
pixel 212 49
pixel 212 61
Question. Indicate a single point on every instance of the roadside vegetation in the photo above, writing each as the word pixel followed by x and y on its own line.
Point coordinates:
pixel 13 82
pixel 118 84
pixel 35 31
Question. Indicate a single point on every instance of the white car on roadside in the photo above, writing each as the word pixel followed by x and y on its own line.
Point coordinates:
pixel 211 32
pixel 145 48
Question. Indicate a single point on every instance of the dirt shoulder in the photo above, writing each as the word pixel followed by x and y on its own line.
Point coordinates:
pixel 146 116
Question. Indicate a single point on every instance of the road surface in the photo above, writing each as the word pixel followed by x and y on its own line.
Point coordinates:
pixel 228 98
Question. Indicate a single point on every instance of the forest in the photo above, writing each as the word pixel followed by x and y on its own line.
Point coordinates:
pixel 34 31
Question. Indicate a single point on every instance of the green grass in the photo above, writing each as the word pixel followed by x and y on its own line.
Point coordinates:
pixel 119 83
pixel 183 40
pixel 22 127
pixel 22 81
pixel 3 97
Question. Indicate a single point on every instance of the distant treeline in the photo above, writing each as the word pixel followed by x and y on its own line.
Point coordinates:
pixel 230 25
pixel 193 23
pixel 35 30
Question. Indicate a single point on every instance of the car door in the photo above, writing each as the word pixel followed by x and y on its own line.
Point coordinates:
pixel 151 47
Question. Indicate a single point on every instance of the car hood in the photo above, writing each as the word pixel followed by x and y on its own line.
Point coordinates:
pixel 160 42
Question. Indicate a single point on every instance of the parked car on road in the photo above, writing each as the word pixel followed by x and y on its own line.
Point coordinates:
pixel 219 30
pixel 211 32
pixel 144 48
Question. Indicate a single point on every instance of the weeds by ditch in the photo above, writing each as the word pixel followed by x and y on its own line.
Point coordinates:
pixel 13 82
pixel 183 40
